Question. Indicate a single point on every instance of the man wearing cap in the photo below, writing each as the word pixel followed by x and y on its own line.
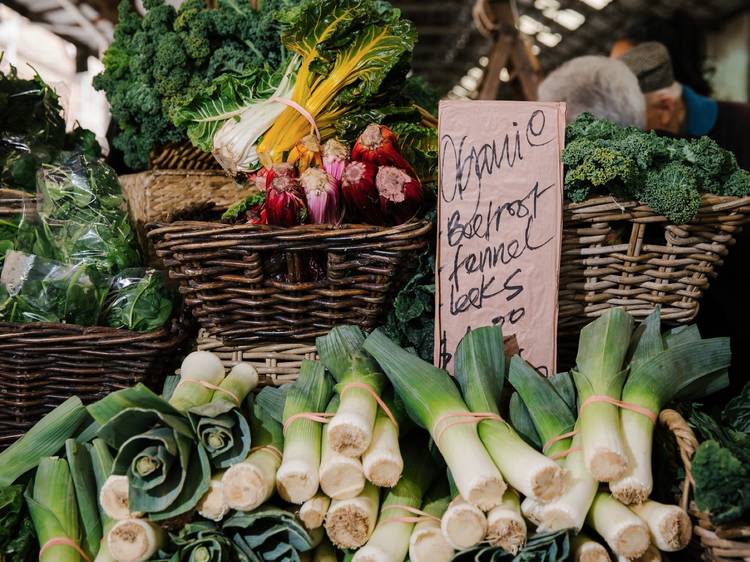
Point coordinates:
pixel 676 109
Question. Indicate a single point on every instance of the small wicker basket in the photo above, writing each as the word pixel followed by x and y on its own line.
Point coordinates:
pixel 42 364
pixel 621 253
pixel 249 283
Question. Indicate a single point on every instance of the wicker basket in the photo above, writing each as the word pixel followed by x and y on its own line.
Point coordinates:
pixel 42 364
pixel 182 156
pixel 276 363
pixel 620 253
pixel 162 195
pixel 249 283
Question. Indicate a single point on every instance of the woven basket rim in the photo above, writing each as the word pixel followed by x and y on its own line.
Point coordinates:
pixel 179 172
pixel 69 333
pixel 609 203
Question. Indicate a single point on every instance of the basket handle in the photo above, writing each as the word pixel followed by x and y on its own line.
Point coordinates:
pixel 687 443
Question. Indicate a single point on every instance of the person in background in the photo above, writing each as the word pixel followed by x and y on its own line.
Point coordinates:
pixel 679 110
pixel 598 85
pixel 683 38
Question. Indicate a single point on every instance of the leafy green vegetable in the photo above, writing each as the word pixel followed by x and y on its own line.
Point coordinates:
pixel 159 62
pixel 270 534
pixel 200 541
pixel 668 174
pixel 737 411
pixel 551 546
pixel 138 302
pixel 17 539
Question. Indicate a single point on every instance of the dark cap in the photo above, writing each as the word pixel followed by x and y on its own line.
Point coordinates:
pixel 651 64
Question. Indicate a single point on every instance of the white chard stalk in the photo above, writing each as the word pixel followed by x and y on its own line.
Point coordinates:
pixel 669 525
pixel 135 540
pixel 313 512
pixel 463 524
pixel 625 533
pixel 113 498
pixel 349 523
pixel 382 461
pixel 506 527
pixel 213 504
pixel 585 549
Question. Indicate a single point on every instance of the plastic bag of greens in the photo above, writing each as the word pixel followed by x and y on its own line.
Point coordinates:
pixel 138 300
pixel 82 216
pixel 36 289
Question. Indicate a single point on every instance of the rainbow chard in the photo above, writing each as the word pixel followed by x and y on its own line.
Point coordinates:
pixel 400 194
pixel 379 145
pixel 335 155
pixel 360 192
pixel 322 194
pixel 285 200
pixel 306 153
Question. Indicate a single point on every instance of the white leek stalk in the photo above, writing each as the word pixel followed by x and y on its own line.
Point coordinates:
pixel 669 525
pixel 653 554
pixel 382 461
pixel 341 476
pixel 198 367
pixel 113 498
pixel 358 376
pixel 569 510
pixel 480 370
pixel 432 399
pixel 135 540
pixel 506 527
pixel 463 524
pixel 427 543
pixel 312 513
pixel 532 510
pixel 297 478
pixel 625 533
pixel 213 505
pixel 250 483
pixel 600 372
pixel 585 549
pixel 349 523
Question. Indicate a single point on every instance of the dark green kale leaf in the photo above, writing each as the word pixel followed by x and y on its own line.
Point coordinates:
pixel 17 538
pixel 736 413
pixel 722 479
pixel 139 304
pixel 672 191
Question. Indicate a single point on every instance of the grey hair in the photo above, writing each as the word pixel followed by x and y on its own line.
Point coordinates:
pixel 604 87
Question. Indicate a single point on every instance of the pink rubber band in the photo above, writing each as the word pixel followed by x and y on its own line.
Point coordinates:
pixel 63 541
pixel 459 418
pixel 624 405
pixel 208 385
pixel 271 448
pixel 301 110
pixel 374 394
pixel 554 440
pixel 565 453
pixel 311 416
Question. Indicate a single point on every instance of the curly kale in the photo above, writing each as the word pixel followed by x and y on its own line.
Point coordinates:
pixel 159 62
pixel 665 173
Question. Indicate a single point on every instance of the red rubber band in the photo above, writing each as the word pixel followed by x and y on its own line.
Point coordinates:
pixel 374 394
pixel 624 405
pixel 311 416
pixel 63 541
pixel 210 386
pixel 554 440
pixel 459 418
pixel 301 110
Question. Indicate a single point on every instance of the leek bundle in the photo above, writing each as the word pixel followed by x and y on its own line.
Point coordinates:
pixel 390 540
pixel 625 533
pixel 382 462
pixel 669 525
pixel 432 400
pixel 199 373
pixel 341 476
pixel 359 380
pixel 168 472
pixel 506 527
pixel 480 370
pixel 297 478
pixel 427 543
pixel 599 377
pixel 46 438
pixel 54 512
pixel 351 522
pixel 248 484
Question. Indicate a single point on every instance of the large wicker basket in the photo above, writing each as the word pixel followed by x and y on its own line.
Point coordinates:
pixel 248 283
pixel 182 156
pixel 41 365
pixel 621 253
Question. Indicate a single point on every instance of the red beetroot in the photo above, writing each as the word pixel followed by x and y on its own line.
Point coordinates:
pixel 400 194
pixel 285 200
pixel 379 145
pixel 360 192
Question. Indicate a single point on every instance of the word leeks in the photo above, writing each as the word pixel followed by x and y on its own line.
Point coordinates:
pixel 297 478
pixel 350 430
pixel 432 400
pixel 600 373
pixel 659 374
pixel 480 371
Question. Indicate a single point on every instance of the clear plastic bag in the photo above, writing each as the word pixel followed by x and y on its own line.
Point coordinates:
pixel 36 289
pixel 138 300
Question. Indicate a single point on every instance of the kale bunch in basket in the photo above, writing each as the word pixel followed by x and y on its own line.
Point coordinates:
pixel 668 174
pixel 159 61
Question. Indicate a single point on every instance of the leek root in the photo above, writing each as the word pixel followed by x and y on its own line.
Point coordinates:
pixel 586 549
pixel 349 523
pixel 135 540
pixel 625 533
pixel 669 525
pixel 312 513
pixel 506 527
pixel 463 524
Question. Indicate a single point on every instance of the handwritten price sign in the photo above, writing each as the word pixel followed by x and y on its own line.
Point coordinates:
pixel 500 224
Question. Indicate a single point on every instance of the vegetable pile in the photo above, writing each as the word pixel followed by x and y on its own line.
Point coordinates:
pixel 668 174
pixel 374 451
